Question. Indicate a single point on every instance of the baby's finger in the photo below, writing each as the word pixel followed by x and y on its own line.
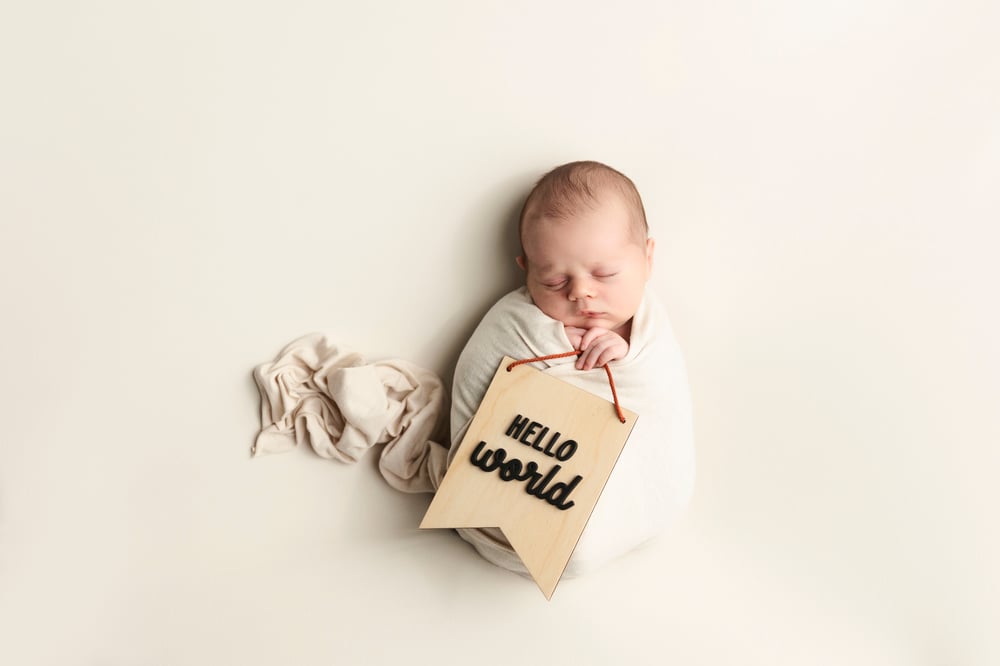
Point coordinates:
pixel 575 336
pixel 592 353
pixel 608 354
pixel 609 348
pixel 584 357
pixel 583 360
pixel 590 335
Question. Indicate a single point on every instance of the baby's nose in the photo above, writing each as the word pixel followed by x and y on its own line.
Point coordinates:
pixel 581 288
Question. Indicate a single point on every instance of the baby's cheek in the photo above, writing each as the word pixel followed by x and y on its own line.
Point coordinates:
pixel 550 307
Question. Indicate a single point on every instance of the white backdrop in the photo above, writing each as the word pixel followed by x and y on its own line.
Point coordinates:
pixel 187 186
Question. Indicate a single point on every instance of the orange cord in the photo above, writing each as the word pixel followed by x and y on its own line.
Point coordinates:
pixel 611 380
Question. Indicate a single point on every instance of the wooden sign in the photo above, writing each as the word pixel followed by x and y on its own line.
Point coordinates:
pixel 533 463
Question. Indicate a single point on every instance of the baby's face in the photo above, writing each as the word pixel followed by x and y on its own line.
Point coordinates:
pixel 589 270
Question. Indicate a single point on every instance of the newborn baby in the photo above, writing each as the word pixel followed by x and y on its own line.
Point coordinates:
pixel 587 259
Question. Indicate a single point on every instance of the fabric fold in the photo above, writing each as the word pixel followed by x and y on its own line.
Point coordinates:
pixel 342 406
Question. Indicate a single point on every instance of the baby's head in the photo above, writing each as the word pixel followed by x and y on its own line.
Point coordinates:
pixel 584 246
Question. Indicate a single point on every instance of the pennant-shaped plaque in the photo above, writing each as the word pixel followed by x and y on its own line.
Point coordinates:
pixel 533 463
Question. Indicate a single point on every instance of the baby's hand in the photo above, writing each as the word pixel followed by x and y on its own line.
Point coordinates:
pixel 575 335
pixel 599 346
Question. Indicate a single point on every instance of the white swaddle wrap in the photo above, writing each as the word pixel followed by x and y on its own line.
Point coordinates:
pixel 653 479
pixel 342 406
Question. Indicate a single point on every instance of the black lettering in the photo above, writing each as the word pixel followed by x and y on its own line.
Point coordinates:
pixel 552 441
pixel 540 437
pixel 510 470
pixel 557 494
pixel 537 485
pixel 566 450
pixel 530 472
pixel 482 462
pixel 516 426
pixel 529 432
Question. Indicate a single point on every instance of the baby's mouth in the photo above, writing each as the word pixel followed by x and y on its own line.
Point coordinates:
pixel 590 314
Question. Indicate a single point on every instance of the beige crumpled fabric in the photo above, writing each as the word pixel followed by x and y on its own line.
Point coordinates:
pixel 342 405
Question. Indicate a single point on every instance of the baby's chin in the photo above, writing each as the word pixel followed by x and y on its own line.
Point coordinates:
pixel 595 322
pixel 588 322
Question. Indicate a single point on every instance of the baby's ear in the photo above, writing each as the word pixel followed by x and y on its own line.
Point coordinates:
pixel 520 261
pixel 650 246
